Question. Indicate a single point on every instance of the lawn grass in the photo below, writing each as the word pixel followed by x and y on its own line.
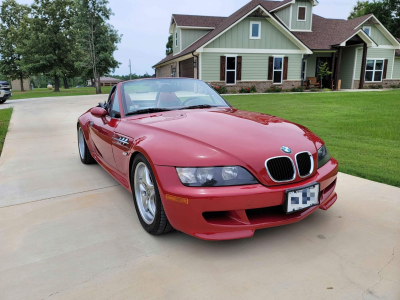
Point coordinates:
pixel 5 116
pixel 40 93
pixel 361 130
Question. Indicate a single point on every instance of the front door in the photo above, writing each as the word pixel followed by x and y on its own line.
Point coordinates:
pixel 326 80
pixel 102 132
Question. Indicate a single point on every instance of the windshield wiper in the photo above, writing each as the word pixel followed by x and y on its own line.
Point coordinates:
pixel 147 111
pixel 198 106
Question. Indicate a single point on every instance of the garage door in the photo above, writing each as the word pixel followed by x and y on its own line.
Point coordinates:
pixel 186 68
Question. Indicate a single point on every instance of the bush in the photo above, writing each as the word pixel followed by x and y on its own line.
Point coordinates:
pixel 248 90
pixel 274 89
pixel 220 89
pixel 395 86
pixel 379 86
pixel 298 89
pixel 315 90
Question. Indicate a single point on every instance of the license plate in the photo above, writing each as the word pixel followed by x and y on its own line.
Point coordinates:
pixel 301 199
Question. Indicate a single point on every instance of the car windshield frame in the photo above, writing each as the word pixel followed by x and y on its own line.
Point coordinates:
pixel 169 86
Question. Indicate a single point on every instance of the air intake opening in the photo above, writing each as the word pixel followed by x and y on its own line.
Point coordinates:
pixel 305 164
pixel 281 169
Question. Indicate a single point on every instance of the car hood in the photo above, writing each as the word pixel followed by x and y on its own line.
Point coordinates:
pixel 218 137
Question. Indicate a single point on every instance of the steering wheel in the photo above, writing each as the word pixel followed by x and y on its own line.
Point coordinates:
pixel 199 99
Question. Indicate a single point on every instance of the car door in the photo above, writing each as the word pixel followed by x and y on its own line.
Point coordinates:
pixel 102 130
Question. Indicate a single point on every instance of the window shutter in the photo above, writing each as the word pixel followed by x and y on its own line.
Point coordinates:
pixel 302 13
pixel 239 68
pixel 222 68
pixel 270 68
pixel 285 67
pixel 385 68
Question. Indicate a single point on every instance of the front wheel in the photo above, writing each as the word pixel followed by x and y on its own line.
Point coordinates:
pixel 84 152
pixel 2 101
pixel 147 199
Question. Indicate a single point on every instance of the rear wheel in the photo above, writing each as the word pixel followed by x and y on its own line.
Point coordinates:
pixel 84 152
pixel 147 199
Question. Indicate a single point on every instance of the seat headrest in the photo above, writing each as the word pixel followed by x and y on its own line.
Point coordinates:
pixel 169 88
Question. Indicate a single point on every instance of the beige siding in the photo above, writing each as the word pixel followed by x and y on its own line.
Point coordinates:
pixel 302 25
pixel 239 37
pixel 396 70
pixel 254 66
pixel 284 15
pixel 347 67
pixel 189 36
pixel 16 84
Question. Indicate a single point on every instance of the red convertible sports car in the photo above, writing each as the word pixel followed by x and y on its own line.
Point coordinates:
pixel 196 164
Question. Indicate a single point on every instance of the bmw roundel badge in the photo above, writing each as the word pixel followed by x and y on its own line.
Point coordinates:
pixel 286 150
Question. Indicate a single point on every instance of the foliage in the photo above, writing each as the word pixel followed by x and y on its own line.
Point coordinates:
pixel 44 93
pixel 248 90
pixel 170 45
pixel 220 89
pixel 395 86
pixel 5 116
pixel 323 70
pixel 298 89
pixel 134 76
pixel 373 87
pixel 361 130
pixel 97 39
pixel 274 89
pixel 13 32
pixel 387 12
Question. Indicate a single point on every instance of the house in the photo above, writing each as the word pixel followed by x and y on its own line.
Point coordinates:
pixel 106 81
pixel 282 43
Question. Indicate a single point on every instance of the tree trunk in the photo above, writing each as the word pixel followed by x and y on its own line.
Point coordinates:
pixel 56 84
pixel 21 80
pixel 98 90
pixel 66 86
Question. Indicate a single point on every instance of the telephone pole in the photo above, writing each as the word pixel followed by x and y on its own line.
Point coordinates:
pixel 130 70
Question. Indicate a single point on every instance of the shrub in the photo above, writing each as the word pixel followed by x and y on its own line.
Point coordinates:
pixel 314 90
pixel 220 89
pixel 298 89
pixel 248 90
pixel 274 89
pixel 379 86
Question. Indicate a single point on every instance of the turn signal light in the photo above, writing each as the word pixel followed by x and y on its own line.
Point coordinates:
pixel 177 199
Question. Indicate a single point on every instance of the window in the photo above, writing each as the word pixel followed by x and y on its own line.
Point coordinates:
pixel 304 70
pixel 115 111
pixel 255 30
pixel 231 70
pixel 367 30
pixel 374 70
pixel 176 38
pixel 302 13
pixel 278 70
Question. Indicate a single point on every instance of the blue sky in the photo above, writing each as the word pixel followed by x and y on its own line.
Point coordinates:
pixel 145 25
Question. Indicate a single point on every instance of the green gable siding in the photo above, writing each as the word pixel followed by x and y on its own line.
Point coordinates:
pixel 312 63
pixel 176 49
pixel 254 66
pixel 189 36
pixel 347 67
pixel 284 15
pixel 301 25
pixel 239 37
pixel 378 36
pixel 396 70
pixel 374 53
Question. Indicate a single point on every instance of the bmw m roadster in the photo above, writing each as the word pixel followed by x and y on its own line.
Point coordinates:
pixel 198 165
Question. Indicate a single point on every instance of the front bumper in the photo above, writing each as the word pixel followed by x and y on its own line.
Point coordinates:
pixel 225 213
pixel 4 95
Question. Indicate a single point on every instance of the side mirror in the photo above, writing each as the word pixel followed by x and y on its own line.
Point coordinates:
pixel 98 112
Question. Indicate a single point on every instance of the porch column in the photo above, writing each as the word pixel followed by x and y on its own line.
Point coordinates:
pixel 337 67
pixel 363 66
pixel 333 70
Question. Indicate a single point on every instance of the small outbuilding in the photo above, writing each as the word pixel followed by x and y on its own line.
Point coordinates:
pixel 107 81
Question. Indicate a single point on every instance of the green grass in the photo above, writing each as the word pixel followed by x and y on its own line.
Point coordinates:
pixel 5 116
pixel 39 93
pixel 361 130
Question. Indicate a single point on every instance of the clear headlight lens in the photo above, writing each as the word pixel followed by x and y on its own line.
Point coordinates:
pixel 215 176
pixel 323 156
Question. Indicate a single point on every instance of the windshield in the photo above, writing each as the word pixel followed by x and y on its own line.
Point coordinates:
pixel 168 94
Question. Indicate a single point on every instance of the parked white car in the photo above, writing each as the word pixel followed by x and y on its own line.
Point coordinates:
pixel 5 91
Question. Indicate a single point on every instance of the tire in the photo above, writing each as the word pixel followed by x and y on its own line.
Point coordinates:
pixel 2 101
pixel 84 152
pixel 151 215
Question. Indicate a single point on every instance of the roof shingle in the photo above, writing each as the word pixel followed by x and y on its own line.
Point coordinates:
pixel 197 21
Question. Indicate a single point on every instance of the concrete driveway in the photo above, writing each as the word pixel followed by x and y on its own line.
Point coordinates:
pixel 70 231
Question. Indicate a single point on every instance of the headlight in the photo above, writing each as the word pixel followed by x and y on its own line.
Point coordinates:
pixel 215 176
pixel 323 156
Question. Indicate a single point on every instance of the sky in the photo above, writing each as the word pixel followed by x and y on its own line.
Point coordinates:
pixel 145 24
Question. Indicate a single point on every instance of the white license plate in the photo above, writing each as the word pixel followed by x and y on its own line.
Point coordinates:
pixel 300 199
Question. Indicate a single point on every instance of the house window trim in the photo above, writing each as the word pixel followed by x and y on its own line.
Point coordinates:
pixel 370 30
pixel 176 38
pixel 226 68
pixel 273 70
pixel 305 13
pixel 374 70
pixel 251 30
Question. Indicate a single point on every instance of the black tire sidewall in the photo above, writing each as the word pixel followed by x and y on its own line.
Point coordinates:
pixel 152 228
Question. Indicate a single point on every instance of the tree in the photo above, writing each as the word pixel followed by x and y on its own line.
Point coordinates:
pixel 170 45
pixel 13 26
pixel 52 40
pixel 387 12
pixel 323 70
pixel 98 39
